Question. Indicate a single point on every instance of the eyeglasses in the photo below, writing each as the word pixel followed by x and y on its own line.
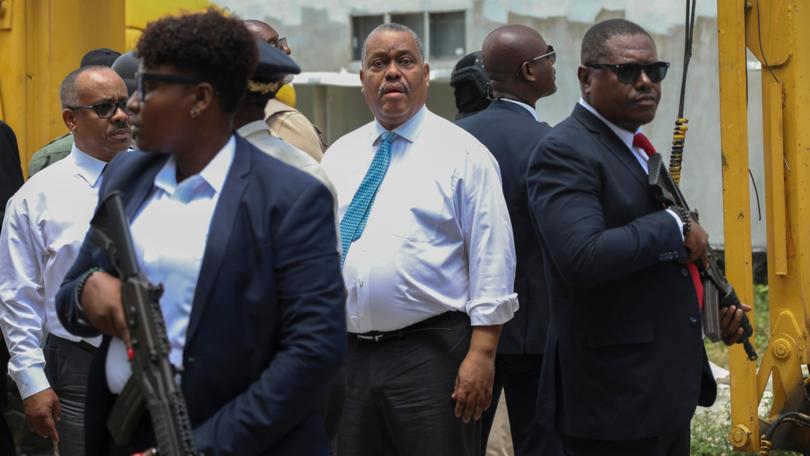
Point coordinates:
pixel 279 43
pixel 142 78
pixel 105 109
pixel 628 73
pixel 551 53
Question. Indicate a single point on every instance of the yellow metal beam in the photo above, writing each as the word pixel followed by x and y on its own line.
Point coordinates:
pixel 775 32
pixel 43 41
pixel 737 224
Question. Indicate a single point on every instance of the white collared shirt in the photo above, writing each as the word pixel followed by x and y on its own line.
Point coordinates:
pixel 43 230
pixel 531 109
pixel 626 136
pixel 170 232
pixel 258 133
pixel 438 237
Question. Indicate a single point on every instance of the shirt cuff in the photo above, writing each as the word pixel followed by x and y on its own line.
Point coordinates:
pixel 492 311
pixel 677 220
pixel 30 381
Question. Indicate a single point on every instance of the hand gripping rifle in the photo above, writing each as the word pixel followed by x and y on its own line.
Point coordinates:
pixel 717 292
pixel 152 385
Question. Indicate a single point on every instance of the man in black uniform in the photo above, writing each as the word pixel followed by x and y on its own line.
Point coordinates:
pixel 520 67
pixel 11 179
pixel 625 364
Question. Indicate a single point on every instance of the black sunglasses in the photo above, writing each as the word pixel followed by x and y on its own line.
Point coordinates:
pixel 628 73
pixel 105 109
pixel 141 78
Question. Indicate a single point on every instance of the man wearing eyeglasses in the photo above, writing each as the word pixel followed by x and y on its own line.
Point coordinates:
pixel 520 67
pixel 44 226
pixel 625 364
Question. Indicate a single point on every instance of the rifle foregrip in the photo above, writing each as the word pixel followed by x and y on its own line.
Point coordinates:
pixel 731 299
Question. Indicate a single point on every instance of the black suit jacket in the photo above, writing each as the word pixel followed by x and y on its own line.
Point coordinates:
pixel 11 179
pixel 511 134
pixel 267 328
pixel 625 358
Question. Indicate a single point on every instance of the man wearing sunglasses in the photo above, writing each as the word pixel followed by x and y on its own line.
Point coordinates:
pixel 625 365
pixel 60 147
pixel 44 227
pixel 520 67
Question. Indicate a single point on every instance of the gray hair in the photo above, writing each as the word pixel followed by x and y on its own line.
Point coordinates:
pixel 394 27
pixel 68 93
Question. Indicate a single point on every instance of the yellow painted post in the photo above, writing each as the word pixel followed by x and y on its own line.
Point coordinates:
pixel 44 42
pixel 776 32
pixel 737 224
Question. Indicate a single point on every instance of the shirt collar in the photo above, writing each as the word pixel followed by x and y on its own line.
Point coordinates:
pixel 531 109
pixel 626 136
pixel 252 127
pixel 409 130
pixel 87 166
pixel 214 173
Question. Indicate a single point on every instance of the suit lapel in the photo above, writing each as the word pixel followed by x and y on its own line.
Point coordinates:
pixel 612 143
pixel 142 188
pixel 220 232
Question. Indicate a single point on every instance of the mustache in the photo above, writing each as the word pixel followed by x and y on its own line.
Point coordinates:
pixel 402 86
pixel 121 125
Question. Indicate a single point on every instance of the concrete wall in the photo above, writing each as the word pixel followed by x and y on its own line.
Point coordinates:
pixel 319 33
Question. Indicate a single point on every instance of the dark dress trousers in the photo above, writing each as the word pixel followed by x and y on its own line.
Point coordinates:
pixel 511 134
pixel 624 358
pixel 267 329
pixel 11 179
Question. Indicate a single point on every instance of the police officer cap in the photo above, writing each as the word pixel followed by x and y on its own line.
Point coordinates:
pixel 273 64
pixel 471 69
pixel 126 66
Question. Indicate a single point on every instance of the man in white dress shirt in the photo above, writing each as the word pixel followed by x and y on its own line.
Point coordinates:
pixel 429 264
pixel 43 228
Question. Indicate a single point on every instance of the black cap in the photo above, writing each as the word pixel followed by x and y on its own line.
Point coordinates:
pixel 126 66
pixel 470 84
pixel 470 68
pixel 101 56
pixel 273 64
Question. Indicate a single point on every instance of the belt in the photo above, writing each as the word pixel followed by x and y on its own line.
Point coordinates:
pixel 431 324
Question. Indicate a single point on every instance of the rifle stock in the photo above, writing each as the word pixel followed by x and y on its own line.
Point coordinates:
pixel 718 293
pixel 152 386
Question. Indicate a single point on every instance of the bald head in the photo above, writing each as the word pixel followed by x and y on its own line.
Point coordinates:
pixel 509 54
pixel 266 33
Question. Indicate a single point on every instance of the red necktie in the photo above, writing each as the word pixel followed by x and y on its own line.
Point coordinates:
pixel 643 143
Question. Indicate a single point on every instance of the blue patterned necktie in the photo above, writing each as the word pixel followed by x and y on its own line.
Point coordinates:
pixel 354 221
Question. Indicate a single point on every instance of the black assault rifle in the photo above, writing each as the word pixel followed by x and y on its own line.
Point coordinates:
pixel 717 292
pixel 152 385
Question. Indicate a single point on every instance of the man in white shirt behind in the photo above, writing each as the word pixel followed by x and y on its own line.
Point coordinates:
pixel 44 226
pixel 429 264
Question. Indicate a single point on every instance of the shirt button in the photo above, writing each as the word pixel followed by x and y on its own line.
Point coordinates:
pixel 684 272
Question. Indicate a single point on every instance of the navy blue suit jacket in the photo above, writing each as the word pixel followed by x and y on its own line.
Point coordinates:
pixel 625 357
pixel 267 329
pixel 511 134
